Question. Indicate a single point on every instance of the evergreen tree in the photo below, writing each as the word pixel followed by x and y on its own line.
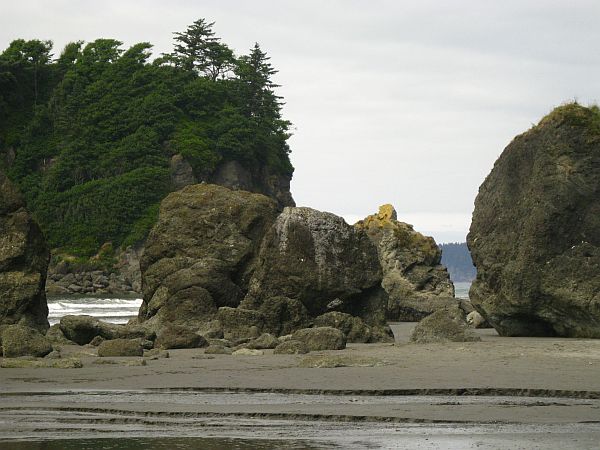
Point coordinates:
pixel 197 49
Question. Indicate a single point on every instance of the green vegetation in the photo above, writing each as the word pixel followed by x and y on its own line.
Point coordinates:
pixel 575 114
pixel 88 136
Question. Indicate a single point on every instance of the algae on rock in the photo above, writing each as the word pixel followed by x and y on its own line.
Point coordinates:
pixel 535 234
pixel 413 277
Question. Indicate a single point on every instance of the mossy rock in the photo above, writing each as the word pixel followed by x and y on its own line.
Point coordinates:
pixel 291 347
pixel 120 347
pixel 535 233
pixel 177 336
pixel 321 338
pixel 264 341
pixel 353 327
pixel 19 340
pixel 443 326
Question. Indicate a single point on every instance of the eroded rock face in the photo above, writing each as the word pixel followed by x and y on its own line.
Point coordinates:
pixel 317 259
pixel 234 175
pixel 202 252
pixel 416 283
pixel 24 260
pixel 535 234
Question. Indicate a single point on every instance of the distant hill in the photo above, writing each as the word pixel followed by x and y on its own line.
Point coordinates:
pixel 456 257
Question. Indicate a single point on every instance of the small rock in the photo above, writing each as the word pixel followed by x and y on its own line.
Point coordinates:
pixel 321 338
pixel 217 350
pixel 97 341
pixel 176 336
pixel 264 341
pixel 476 320
pixel 156 353
pixel 332 361
pixel 291 347
pixel 120 347
pixel 54 354
pixel 248 352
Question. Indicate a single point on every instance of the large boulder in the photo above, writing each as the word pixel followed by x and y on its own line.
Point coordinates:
pixel 20 340
pixel 416 282
pixel 82 329
pixel 201 253
pixel 24 260
pixel 355 329
pixel 444 325
pixel 177 336
pixel 535 234
pixel 319 260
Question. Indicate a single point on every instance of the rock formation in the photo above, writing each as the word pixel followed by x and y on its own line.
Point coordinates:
pixel 416 283
pixel 201 253
pixel 535 234
pixel 445 325
pixel 213 247
pixel 23 262
pixel 317 259
pixel 260 180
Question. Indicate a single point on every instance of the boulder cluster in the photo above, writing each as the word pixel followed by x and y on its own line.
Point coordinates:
pixel 233 262
pixel 234 273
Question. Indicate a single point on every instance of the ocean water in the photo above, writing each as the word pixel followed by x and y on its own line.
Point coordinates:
pixel 113 310
pixel 461 289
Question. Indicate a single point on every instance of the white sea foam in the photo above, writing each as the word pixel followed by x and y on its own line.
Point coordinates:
pixel 113 310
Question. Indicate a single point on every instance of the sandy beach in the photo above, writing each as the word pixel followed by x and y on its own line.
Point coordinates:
pixel 542 386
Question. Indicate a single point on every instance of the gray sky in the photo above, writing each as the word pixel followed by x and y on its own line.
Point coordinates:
pixel 402 102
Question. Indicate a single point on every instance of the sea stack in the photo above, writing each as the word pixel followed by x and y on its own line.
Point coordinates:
pixel 413 277
pixel 24 258
pixel 535 234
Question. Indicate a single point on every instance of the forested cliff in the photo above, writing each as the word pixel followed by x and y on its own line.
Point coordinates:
pixel 96 137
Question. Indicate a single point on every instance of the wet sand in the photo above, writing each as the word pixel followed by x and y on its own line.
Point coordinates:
pixel 540 386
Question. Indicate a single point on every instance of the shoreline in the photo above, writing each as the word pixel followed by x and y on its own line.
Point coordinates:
pixel 546 390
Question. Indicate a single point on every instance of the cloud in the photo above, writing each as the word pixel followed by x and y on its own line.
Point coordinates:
pixel 407 103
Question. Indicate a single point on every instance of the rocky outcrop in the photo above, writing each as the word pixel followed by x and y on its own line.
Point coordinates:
pixel 415 281
pixel 317 259
pixel 181 171
pixel 23 262
pixel 535 234
pixel 261 180
pixel 201 253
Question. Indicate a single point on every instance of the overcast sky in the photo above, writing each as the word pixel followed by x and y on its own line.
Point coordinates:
pixel 402 102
